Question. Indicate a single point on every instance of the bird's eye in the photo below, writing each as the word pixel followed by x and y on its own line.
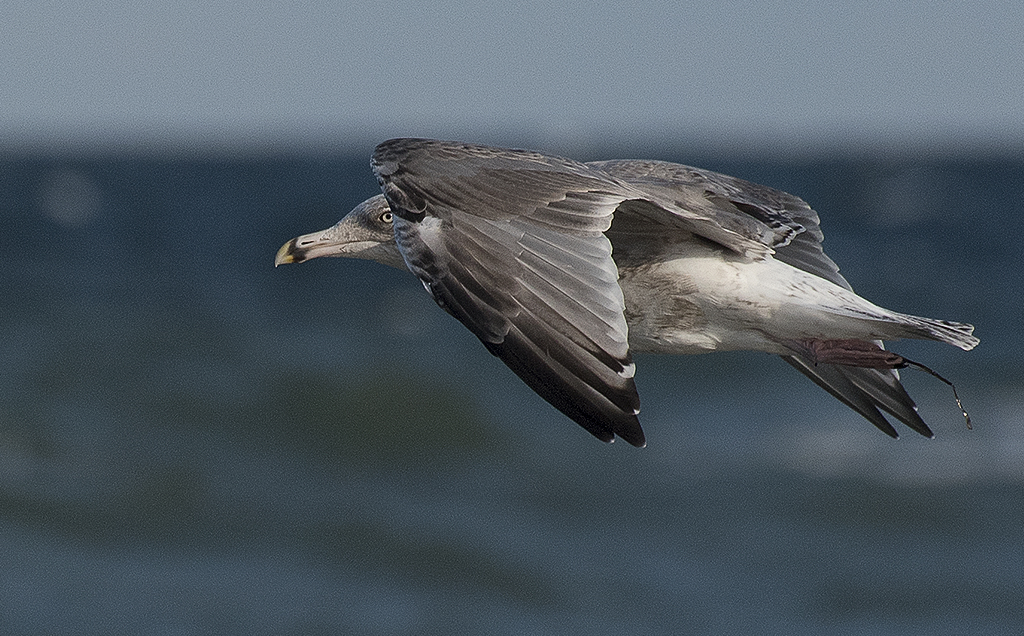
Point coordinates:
pixel 386 217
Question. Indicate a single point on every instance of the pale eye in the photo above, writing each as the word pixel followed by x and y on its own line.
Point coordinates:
pixel 386 218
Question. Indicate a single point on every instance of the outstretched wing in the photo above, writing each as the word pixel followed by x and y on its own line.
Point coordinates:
pixel 511 243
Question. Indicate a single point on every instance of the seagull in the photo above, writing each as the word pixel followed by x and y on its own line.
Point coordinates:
pixel 563 269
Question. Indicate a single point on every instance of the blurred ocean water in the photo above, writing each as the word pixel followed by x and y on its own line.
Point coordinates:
pixel 193 442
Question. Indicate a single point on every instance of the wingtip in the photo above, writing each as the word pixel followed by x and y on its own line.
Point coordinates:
pixel 635 437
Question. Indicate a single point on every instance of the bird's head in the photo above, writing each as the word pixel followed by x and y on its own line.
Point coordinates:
pixel 365 232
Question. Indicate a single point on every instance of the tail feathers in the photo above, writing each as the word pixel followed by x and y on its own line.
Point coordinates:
pixel 958 334
pixel 865 390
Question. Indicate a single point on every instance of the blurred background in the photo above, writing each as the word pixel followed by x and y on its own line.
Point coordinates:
pixel 192 442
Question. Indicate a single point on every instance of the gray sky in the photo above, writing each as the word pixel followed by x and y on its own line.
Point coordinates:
pixel 340 73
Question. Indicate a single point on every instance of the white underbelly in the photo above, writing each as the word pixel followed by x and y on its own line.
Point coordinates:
pixel 706 302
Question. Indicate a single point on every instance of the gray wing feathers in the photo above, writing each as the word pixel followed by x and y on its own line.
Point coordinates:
pixel 777 219
pixel 506 234
pixel 576 364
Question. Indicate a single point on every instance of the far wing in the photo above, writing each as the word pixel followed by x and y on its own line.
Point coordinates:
pixel 783 222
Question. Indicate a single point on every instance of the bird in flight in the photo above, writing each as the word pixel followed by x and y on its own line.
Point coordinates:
pixel 563 269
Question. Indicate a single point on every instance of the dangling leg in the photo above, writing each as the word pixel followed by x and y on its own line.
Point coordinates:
pixel 849 352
